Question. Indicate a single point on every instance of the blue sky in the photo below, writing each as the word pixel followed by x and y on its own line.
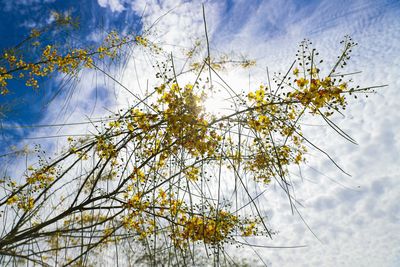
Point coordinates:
pixel 356 218
pixel 19 17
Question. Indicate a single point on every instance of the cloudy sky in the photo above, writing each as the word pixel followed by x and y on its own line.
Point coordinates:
pixel 356 220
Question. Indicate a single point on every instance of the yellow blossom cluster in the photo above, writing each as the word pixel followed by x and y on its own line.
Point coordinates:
pixel 14 65
pixel 186 121
pixel 105 148
pixel 211 229
pixel 141 40
pixel 184 226
pixel 50 61
pixel 41 178
pixel 319 93
pixel 26 203
pixel 23 202
pixel 192 173
pixel 249 229
pixel 37 180
pixel 4 76
pixel 277 142
pixel 137 220
pixel 140 120
pixel 112 45
pixel 272 161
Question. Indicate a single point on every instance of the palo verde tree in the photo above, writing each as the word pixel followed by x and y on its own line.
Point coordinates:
pixel 150 184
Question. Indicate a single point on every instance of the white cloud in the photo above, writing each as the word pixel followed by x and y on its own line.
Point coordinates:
pixel 177 23
pixel 356 223
pixel 114 5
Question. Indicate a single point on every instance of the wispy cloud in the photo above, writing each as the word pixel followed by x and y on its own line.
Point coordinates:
pixel 353 217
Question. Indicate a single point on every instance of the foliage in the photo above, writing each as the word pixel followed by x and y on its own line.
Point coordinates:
pixel 153 175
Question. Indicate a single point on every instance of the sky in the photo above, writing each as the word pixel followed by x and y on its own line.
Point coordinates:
pixel 356 219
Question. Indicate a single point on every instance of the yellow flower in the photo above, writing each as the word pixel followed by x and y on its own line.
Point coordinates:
pixel 260 93
pixel 250 229
pixel 130 127
pixel 12 200
pixel 251 95
pixel 302 82
pixel 192 173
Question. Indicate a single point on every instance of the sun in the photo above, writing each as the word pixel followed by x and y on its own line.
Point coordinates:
pixel 218 103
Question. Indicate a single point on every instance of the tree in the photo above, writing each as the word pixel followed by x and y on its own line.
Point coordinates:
pixel 157 174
